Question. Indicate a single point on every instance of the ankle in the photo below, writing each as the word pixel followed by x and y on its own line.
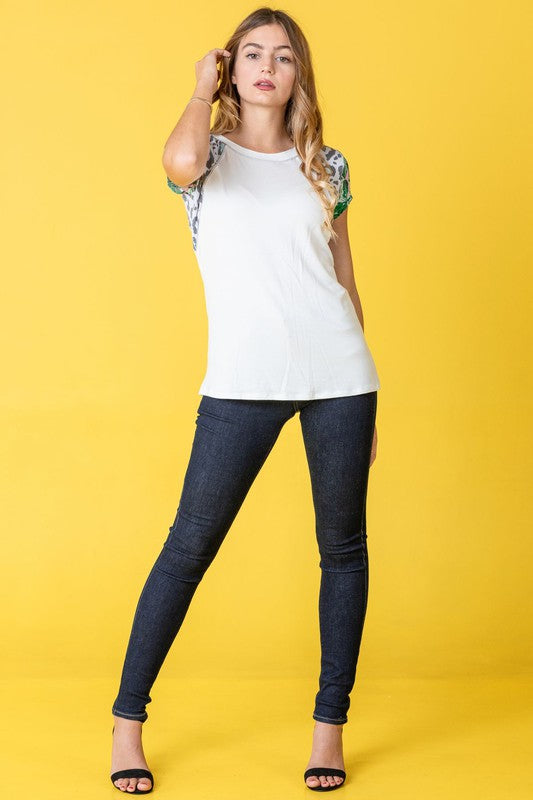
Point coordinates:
pixel 327 726
pixel 127 725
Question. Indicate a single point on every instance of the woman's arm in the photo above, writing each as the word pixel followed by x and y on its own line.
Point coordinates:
pixel 187 148
pixel 342 259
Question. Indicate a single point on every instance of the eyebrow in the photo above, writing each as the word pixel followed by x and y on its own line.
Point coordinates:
pixel 261 47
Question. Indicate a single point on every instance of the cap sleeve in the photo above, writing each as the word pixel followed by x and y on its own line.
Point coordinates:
pixel 193 193
pixel 340 178
pixel 345 195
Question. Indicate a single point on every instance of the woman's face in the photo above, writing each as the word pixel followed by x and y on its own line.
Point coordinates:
pixel 265 53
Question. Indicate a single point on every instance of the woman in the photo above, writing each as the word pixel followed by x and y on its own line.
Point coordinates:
pixel 266 204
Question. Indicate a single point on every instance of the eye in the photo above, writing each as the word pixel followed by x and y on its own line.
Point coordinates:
pixel 256 54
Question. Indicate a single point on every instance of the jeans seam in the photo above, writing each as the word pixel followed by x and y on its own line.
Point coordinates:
pixel 124 714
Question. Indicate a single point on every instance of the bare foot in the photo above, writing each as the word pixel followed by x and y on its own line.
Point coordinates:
pixel 128 753
pixel 326 752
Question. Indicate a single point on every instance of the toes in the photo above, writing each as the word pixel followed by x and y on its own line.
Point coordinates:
pixel 129 784
pixel 324 780
pixel 143 784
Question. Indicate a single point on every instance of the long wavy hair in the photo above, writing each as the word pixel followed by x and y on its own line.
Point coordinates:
pixel 303 120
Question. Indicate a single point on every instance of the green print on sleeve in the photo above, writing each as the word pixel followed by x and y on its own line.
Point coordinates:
pixel 345 196
pixel 339 177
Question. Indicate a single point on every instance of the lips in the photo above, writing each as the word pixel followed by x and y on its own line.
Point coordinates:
pixel 264 83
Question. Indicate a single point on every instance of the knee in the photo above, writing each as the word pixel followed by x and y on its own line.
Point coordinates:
pixel 180 565
pixel 189 549
pixel 342 551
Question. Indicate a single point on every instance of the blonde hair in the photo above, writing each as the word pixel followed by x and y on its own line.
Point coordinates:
pixel 303 120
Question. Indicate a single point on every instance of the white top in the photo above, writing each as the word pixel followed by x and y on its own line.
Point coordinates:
pixel 280 325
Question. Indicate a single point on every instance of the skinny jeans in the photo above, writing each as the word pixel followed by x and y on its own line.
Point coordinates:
pixel 231 442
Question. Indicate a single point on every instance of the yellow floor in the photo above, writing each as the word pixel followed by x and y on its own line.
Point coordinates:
pixel 416 739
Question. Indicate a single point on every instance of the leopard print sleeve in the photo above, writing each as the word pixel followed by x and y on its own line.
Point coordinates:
pixel 193 193
pixel 339 171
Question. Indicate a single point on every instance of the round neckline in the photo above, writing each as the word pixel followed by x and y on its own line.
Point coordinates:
pixel 245 151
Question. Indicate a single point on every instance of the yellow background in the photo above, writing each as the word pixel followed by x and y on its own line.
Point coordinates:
pixel 104 343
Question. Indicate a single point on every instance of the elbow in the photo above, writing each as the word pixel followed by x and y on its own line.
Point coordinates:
pixel 182 170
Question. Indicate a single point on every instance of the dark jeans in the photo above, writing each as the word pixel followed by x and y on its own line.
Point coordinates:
pixel 231 443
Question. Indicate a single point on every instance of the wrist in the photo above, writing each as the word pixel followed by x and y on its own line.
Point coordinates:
pixel 204 90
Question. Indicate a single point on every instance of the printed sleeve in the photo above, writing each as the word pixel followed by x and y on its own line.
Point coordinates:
pixel 339 173
pixel 193 193
pixel 343 180
pixel 179 189
pixel 187 190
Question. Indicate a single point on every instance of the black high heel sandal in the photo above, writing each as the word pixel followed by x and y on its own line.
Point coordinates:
pixel 317 771
pixel 134 772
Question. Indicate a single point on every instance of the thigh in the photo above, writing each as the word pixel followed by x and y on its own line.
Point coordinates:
pixel 338 434
pixel 231 443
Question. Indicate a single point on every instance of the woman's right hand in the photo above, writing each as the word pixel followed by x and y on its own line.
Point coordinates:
pixel 207 74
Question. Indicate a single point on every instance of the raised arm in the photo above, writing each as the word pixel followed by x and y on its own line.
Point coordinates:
pixel 187 148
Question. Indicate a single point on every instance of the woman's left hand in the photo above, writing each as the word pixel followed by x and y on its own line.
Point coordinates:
pixel 374 446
